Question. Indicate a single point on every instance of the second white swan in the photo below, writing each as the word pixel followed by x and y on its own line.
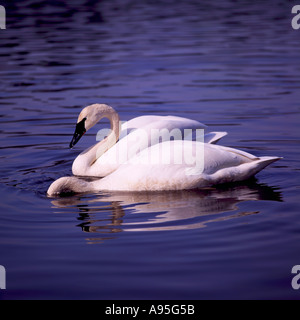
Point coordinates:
pixel 126 141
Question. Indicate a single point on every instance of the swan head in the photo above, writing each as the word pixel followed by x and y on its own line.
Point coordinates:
pixel 67 186
pixel 91 115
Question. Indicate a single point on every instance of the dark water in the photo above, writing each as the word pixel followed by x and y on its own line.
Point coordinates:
pixel 234 67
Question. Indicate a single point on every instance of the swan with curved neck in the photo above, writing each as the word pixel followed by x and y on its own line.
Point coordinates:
pixel 135 135
pixel 89 117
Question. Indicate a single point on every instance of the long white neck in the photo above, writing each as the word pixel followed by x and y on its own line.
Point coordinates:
pixel 86 159
pixel 105 144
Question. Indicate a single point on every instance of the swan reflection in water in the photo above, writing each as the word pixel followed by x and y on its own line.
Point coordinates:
pixel 109 213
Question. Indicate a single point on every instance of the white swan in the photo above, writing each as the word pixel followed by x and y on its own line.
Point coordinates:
pixel 135 135
pixel 221 165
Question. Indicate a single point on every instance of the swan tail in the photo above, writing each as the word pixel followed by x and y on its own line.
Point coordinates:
pixel 250 169
pixel 263 162
pixel 242 172
pixel 214 137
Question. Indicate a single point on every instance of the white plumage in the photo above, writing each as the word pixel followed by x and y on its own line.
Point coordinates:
pixel 168 165
pixel 134 136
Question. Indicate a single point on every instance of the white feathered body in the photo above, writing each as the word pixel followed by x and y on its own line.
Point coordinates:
pixel 140 161
pixel 220 165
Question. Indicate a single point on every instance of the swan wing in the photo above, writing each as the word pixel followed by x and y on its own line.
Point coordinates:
pixel 214 137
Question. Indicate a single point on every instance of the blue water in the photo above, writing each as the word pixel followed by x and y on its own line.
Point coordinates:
pixel 233 67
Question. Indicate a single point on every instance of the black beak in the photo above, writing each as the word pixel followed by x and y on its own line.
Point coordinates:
pixel 79 132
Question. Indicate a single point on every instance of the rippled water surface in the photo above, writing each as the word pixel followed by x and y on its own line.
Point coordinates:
pixel 233 67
